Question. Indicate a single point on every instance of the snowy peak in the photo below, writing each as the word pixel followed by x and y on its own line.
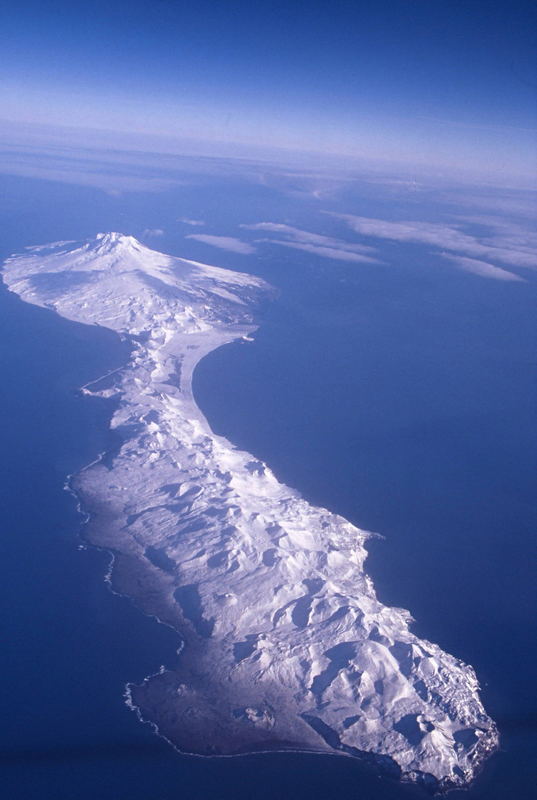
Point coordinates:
pixel 115 238
pixel 116 281
pixel 114 243
pixel 281 623
pixel 105 250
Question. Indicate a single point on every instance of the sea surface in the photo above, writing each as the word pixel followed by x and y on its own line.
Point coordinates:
pixel 401 396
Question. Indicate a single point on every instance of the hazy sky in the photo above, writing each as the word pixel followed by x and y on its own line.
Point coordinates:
pixel 426 81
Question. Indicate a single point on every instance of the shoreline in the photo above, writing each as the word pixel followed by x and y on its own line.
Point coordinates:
pixel 367 760
pixel 108 578
pixel 285 645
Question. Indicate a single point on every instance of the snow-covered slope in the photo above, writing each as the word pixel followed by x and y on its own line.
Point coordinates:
pixel 286 643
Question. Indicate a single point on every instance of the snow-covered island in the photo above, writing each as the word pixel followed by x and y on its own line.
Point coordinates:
pixel 286 645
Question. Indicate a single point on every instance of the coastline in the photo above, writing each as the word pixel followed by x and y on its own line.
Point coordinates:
pixel 254 532
pixel 379 765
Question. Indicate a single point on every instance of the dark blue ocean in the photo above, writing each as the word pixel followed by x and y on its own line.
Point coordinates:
pixel 401 396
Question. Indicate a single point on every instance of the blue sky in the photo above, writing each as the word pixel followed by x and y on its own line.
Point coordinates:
pixel 432 82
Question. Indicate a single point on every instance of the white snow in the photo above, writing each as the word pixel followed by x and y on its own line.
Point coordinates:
pixel 286 643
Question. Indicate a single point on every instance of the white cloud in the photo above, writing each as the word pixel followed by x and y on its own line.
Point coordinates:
pixel 334 253
pixel 299 235
pixel 194 222
pixel 152 232
pixel 504 233
pixel 500 247
pixel 506 242
pixel 316 243
pixel 482 268
pixel 223 242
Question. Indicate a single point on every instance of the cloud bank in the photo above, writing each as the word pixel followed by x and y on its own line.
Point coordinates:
pixel 319 245
pixel 505 245
pixel 325 252
pixel 498 240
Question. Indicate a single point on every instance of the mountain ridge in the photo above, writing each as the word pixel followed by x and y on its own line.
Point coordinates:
pixel 286 644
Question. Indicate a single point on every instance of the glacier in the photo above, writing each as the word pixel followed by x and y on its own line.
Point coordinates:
pixel 285 643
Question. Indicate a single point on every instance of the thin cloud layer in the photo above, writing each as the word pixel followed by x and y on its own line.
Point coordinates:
pixel 325 252
pixel 196 223
pixel 519 204
pixel 316 243
pixel 223 242
pixel 150 232
pixel 299 235
pixel 501 240
pixel 504 233
pixel 482 268
pixel 507 247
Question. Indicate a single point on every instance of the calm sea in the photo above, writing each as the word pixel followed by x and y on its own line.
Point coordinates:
pixel 398 396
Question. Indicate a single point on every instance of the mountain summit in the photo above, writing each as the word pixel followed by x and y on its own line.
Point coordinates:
pixel 124 285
